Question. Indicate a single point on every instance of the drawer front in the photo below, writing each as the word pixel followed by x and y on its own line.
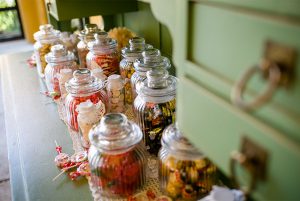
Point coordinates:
pixel 217 127
pixel 224 42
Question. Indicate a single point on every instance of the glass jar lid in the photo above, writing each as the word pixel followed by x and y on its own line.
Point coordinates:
pixel 59 53
pixel 174 140
pixel 135 48
pixel 46 32
pixel 158 83
pixel 83 83
pixel 151 58
pixel 102 43
pixel 89 31
pixel 115 133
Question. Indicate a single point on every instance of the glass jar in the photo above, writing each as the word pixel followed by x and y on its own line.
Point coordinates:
pixel 82 87
pixel 151 59
pixel 89 114
pixel 58 58
pixel 85 36
pixel 184 172
pixel 116 93
pixel 117 156
pixel 70 42
pixel 45 38
pixel 154 107
pixel 103 54
pixel 130 53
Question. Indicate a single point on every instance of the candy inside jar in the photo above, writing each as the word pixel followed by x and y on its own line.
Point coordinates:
pixel 117 157
pixel 86 35
pixel 155 106
pixel 130 53
pixel 184 173
pixel 115 91
pixel 103 54
pixel 59 58
pixel 89 114
pixel 82 87
pixel 45 38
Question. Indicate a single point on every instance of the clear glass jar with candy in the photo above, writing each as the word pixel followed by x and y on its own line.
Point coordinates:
pixel 45 38
pixel 154 107
pixel 82 87
pixel 117 157
pixel 184 172
pixel 151 59
pixel 116 93
pixel 58 58
pixel 103 54
pixel 85 36
pixel 130 53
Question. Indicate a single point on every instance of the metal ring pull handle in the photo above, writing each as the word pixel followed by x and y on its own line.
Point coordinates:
pixel 238 158
pixel 239 87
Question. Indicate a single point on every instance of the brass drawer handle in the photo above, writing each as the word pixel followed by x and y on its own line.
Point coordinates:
pixel 263 97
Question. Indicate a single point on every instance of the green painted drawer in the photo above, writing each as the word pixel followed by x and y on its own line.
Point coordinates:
pixel 224 42
pixel 216 127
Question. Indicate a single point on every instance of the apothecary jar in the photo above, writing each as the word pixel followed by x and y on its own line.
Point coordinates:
pixel 45 38
pixel 154 107
pixel 117 157
pixel 82 87
pixel 184 172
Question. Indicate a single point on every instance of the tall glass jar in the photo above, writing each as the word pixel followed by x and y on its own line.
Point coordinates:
pixel 151 59
pixel 82 87
pixel 117 156
pixel 154 107
pixel 130 53
pixel 103 54
pixel 184 172
pixel 59 58
pixel 116 93
pixel 85 36
pixel 45 38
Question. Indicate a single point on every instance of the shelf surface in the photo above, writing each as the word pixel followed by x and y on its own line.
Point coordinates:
pixel 32 125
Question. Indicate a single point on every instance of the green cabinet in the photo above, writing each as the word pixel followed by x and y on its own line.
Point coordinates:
pixel 213 43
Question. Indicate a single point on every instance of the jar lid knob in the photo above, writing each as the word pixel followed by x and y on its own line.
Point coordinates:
pixel 81 73
pixel 46 27
pixel 157 78
pixel 58 50
pixel 151 55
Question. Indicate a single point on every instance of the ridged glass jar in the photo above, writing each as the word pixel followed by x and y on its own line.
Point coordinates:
pixel 154 107
pixel 85 36
pixel 82 87
pixel 151 59
pixel 103 54
pixel 117 157
pixel 184 172
pixel 59 58
pixel 130 53
pixel 45 38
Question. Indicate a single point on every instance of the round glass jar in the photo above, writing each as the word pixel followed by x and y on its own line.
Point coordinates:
pixel 154 107
pixel 103 54
pixel 58 58
pixel 130 53
pixel 116 93
pixel 45 38
pixel 82 87
pixel 85 36
pixel 70 41
pixel 151 59
pixel 117 156
pixel 184 172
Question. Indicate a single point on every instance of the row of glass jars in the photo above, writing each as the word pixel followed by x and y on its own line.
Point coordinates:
pixel 118 163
